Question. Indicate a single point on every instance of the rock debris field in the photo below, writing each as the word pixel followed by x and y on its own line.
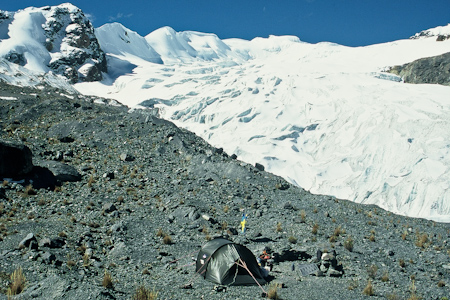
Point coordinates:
pixel 108 200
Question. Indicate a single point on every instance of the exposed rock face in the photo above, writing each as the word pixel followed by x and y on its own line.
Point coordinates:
pixel 434 69
pixel 441 33
pixel 69 33
pixel 68 47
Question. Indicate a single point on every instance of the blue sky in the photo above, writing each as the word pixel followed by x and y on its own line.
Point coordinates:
pixel 346 22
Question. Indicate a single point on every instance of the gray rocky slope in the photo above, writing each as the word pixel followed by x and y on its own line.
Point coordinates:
pixel 113 180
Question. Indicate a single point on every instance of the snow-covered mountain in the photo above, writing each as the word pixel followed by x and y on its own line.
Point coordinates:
pixel 59 39
pixel 324 116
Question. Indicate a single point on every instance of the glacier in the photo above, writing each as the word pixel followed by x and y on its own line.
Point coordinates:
pixel 324 116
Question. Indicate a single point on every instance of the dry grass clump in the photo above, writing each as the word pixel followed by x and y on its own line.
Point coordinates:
pixel 441 283
pixel 272 292
pixel 279 227
pixel 337 231
pixel 413 295
pixel 315 228
pixel 385 277
pixel 91 181
pixel 167 240
pixel 224 225
pixel 29 191
pixel 348 244
pixel 352 285
pixel 422 241
pixel 392 297
pixel 71 263
pixel 372 271
pixel 332 239
pixel 292 239
pixel 160 233
pixel 372 236
pixel 368 290
pixel 18 281
pixel 107 280
pixel 404 235
pixel 143 293
pixel 302 216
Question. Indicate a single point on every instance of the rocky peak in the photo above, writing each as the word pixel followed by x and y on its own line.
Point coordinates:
pixel 441 33
pixel 62 36
pixel 74 48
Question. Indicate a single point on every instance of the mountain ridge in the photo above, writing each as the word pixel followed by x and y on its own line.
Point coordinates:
pixel 264 87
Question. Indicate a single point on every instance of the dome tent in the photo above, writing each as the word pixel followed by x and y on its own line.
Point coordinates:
pixel 224 262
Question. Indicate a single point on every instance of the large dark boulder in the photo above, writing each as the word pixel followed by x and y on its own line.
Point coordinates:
pixel 15 159
pixel 434 69
pixel 62 172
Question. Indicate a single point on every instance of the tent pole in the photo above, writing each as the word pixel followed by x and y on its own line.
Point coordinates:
pixel 244 265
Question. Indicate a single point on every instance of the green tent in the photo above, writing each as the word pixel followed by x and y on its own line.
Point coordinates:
pixel 224 262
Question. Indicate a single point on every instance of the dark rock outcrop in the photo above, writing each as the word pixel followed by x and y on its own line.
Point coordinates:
pixel 15 159
pixel 69 37
pixel 430 34
pixel 62 172
pixel 434 70
pixel 82 58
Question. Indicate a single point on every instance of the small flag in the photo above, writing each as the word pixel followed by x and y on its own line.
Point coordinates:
pixel 243 222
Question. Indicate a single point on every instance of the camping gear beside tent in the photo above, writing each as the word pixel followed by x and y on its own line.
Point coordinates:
pixel 222 261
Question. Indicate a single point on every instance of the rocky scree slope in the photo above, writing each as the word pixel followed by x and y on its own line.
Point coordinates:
pixel 150 194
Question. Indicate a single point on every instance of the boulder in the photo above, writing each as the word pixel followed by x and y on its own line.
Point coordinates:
pixel 29 239
pixel 259 167
pixel 126 157
pixel 15 159
pixel 61 171
pixel 109 207
pixel 48 258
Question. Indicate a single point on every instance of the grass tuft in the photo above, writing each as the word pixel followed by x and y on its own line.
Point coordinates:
pixel 18 281
pixel 167 240
pixel 368 290
pixel 279 227
pixel 272 292
pixel 107 280
pixel 143 293
pixel 348 244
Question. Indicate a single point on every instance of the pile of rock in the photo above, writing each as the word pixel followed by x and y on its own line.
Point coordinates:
pixel 327 264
